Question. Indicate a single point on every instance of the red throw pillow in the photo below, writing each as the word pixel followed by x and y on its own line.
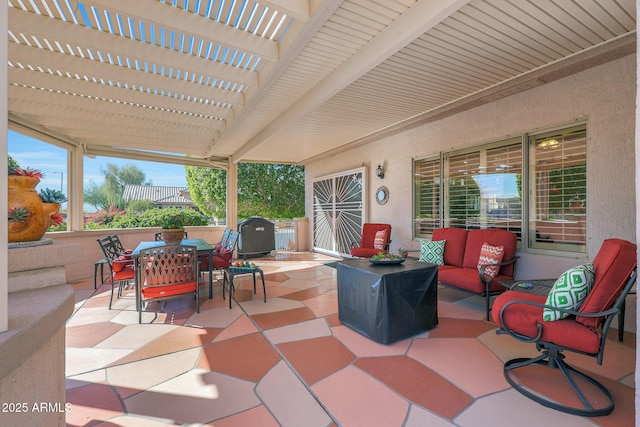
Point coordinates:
pixel 380 239
pixel 490 254
pixel 118 264
pixel 127 254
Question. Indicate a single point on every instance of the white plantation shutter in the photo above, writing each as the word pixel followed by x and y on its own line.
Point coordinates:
pixel 427 215
pixel 558 171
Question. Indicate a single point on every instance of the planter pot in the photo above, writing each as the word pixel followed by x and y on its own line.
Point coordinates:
pixel 172 236
pixel 22 194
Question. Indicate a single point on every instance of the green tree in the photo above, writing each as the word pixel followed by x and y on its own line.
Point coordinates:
pixel 116 178
pixel 12 163
pixel 264 189
pixel 208 189
pixel 110 192
pixel 95 196
pixel 140 206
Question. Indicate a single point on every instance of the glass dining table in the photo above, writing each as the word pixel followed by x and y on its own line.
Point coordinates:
pixel 201 245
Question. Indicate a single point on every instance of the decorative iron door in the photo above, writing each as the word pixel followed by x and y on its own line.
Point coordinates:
pixel 338 211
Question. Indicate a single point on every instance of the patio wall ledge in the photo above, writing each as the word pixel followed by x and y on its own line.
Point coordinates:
pixel 32 351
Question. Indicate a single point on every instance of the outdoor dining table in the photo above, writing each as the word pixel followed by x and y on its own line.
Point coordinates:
pixel 201 245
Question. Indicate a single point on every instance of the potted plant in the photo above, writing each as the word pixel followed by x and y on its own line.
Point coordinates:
pixel 29 214
pixel 173 220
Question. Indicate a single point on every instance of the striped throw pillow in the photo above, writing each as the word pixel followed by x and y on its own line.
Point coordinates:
pixel 490 254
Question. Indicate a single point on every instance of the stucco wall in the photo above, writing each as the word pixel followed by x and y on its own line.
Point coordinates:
pixel 604 95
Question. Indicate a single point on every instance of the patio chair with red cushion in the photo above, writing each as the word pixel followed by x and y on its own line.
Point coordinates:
pixel 120 264
pixel 166 272
pixel 375 239
pixel 222 253
pixel 575 317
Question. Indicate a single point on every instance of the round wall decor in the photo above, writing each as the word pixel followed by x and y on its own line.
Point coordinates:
pixel 382 195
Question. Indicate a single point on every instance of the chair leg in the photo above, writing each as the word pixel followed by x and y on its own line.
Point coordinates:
pixel 556 361
pixel 111 297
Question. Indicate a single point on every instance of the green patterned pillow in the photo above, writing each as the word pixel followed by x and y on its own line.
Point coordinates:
pixel 569 291
pixel 432 251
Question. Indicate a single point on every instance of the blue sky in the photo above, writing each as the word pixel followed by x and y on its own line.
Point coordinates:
pixel 52 161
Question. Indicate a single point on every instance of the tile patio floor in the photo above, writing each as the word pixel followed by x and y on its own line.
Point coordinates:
pixel 290 362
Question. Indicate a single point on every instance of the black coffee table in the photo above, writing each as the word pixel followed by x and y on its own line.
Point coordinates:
pixel 387 303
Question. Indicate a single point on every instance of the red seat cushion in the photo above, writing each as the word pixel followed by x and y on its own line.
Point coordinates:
pixel 613 264
pixel 168 290
pixel 364 252
pixel 127 272
pixel 469 279
pixel 524 319
pixel 456 240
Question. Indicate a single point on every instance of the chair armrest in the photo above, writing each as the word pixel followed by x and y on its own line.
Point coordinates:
pixel 483 267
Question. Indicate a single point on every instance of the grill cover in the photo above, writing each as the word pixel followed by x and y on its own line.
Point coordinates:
pixel 257 236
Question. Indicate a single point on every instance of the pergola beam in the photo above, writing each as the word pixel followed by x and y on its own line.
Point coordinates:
pixel 93 40
pixel 84 67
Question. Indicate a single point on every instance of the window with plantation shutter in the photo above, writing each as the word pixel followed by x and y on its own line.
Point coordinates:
pixel 427 215
pixel 558 176
pixel 487 187
pixel 484 187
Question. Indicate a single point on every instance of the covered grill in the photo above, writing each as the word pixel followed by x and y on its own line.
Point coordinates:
pixel 257 237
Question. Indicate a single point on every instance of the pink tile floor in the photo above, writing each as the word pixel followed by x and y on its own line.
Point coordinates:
pixel 291 362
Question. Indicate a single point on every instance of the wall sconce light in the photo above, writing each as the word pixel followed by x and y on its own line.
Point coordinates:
pixel 380 172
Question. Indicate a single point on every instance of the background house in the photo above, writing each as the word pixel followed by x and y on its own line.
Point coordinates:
pixel 162 196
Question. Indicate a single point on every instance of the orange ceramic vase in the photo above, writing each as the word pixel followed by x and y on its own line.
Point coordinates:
pixel 22 194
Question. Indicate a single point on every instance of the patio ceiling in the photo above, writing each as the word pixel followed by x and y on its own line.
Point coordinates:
pixel 284 80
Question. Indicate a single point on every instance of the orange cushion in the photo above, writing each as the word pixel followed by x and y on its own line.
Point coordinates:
pixel 127 272
pixel 169 290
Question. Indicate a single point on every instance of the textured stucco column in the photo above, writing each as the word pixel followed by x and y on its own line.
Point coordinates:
pixel 32 350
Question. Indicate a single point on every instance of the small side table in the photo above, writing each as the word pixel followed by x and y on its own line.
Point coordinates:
pixel 231 272
pixel 543 287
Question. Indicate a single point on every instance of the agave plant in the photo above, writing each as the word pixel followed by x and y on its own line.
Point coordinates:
pixel 19 214
pixel 57 219
pixel 34 173
pixel 52 196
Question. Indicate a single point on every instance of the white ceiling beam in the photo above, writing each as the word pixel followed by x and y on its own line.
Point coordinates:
pixel 415 21
pixel 85 38
pixel 93 151
pixel 79 127
pixel 84 67
pixel 297 9
pixel 72 117
pixel 115 93
pixel 53 100
pixel 190 24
